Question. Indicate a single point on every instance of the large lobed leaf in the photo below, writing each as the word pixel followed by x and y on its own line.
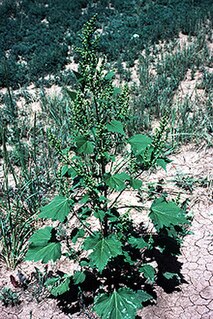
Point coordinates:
pixel 51 251
pixel 121 304
pixel 148 272
pixel 165 214
pixel 103 249
pixel 139 143
pixel 57 209
pixel 41 237
pixel 42 248
pixel 58 286
pixel 115 127
pixel 83 145
pixel 117 181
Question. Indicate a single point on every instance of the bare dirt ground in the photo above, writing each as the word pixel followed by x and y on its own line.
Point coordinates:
pixel 194 298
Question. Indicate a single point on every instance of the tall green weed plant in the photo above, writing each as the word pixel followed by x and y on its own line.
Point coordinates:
pixel 117 261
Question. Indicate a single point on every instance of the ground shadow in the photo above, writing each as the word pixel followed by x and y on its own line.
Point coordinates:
pixel 121 273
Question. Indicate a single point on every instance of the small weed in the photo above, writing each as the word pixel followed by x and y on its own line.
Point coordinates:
pixel 36 285
pixel 189 183
pixel 9 297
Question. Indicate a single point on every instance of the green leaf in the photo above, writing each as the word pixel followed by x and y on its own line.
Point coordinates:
pixel 72 172
pixel 85 199
pixel 66 151
pixel 42 248
pixel 72 94
pixel 77 233
pixel 139 243
pixel 116 90
pixel 109 157
pixel 109 75
pixel 84 213
pixel 100 214
pixel 113 215
pixel 127 258
pixel 51 251
pixel 64 170
pixel 148 272
pixel 103 249
pixel 68 171
pixel 139 143
pixel 121 304
pixel 162 162
pixel 144 296
pixel 165 213
pixel 51 281
pixel 117 181
pixel 170 275
pixel 78 76
pixel 83 145
pixel 41 236
pixel 84 263
pixel 79 277
pixel 135 183
pixel 57 209
pixel 103 199
pixel 115 127
pixel 58 286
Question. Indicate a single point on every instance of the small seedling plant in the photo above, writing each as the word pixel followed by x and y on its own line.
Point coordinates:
pixel 9 297
pixel 98 167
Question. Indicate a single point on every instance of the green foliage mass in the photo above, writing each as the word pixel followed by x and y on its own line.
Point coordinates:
pixel 99 163
pixel 37 36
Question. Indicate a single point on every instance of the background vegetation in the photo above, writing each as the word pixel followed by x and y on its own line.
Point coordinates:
pixel 37 37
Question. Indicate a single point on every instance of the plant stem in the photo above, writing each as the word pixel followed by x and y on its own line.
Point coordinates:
pixel 84 225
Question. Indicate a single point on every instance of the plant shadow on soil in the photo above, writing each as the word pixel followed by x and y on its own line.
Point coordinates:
pixel 120 273
pixel 73 301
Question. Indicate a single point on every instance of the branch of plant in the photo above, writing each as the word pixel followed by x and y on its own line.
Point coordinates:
pixel 83 224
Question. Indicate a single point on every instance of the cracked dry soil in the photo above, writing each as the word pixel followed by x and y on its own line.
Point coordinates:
pixel 194 298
